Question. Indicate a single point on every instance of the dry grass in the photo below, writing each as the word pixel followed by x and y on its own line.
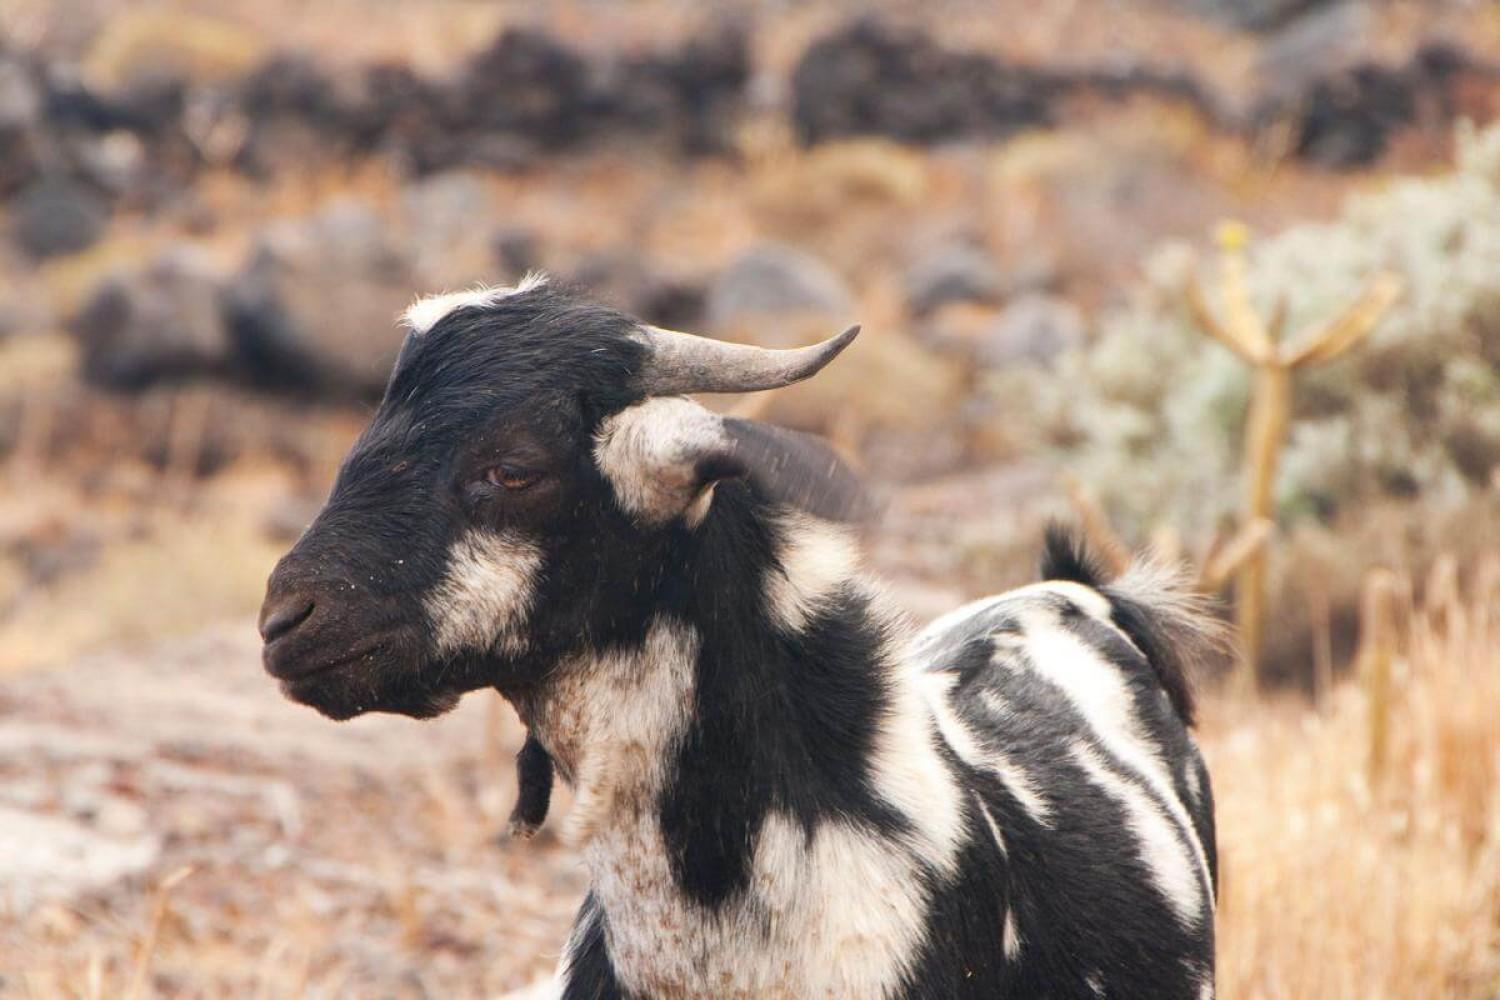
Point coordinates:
pixel 1339 884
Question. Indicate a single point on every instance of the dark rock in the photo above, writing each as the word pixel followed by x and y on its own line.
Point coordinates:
pixel 870 78
pixel 1257 15
pixel 517 249
pixel 1033 330
pixel 625 281
pixel 691 94
pixel 677 304
pixel 1322 41
pixel 525 83
pixel 1344 119
pixel 54 216
pixel 775 280
pixel 957 273
pixel 165 321
pixel 316 309
pixel 20 111
pixel 444 211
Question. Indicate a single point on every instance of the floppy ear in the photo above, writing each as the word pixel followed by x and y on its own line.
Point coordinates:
pixel 663 456
pixel 800 471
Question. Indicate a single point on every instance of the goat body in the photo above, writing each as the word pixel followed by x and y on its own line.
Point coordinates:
pixel 786 794
pixel 780 788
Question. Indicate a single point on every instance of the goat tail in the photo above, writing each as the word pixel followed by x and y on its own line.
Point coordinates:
pixel 1155 604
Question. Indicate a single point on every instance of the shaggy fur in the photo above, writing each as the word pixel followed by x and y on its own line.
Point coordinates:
pixel 781 790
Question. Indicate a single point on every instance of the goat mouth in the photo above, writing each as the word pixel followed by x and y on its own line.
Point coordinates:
pixel 293 671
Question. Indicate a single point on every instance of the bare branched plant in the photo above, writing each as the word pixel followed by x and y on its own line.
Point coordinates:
pixel 1259 342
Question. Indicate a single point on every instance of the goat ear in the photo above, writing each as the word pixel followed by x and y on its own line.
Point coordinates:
pixel 800 471
pixel 662 458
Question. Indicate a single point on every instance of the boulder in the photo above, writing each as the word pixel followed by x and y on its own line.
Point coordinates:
pixel 164 321
pixel 871 78
pixel 447 212
pixel 774 281
pixel 1032 330
pixel 955 273
pixel 316 308
pixel 20 106
pixel 53 216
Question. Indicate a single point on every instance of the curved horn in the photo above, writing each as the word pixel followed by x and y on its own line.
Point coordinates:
pixel 681 363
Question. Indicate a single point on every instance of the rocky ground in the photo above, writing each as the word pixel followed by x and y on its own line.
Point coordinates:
pixel 306 858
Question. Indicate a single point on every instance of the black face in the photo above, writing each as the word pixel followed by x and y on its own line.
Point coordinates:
pixel 462 541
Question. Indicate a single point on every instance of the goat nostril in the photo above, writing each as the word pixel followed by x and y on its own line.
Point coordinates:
pixel 277 620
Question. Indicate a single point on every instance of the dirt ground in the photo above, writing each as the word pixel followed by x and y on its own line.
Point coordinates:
pixel 314 859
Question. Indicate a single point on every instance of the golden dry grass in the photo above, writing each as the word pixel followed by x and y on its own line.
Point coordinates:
pixel 1340 883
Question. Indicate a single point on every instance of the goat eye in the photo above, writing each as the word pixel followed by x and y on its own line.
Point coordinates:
pixel 508 477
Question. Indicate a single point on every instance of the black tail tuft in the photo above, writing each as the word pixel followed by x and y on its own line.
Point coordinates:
pixel 1155 605
pixel 1065 556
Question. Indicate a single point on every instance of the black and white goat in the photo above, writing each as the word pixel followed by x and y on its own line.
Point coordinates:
pixel 780 791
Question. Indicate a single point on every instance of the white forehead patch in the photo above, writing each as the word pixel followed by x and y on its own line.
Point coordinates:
pixel 425 313
pixel 649 453
pixel 483 598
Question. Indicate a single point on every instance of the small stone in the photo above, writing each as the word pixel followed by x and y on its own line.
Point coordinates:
pixel 55 216
pixel 1032 329
pixel 958 273
pixel 164 321
pixel 774 280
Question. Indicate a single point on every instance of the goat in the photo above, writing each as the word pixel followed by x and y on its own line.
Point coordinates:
pixel 779 789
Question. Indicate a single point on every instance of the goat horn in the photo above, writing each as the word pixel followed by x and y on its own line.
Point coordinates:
pixel 681 363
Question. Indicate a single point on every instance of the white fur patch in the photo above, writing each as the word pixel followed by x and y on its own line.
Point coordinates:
pixel 425 313
pixel 613 721
pixel 483 599
pixel 850 910
pixel 908 770
pixel 650 452
pixel 1190 779
pixel 989 821
pixel 815 557
pixel 1011 936
pixel 1157 840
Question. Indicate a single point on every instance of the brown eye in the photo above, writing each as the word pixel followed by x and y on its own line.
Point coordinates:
pixel 509 477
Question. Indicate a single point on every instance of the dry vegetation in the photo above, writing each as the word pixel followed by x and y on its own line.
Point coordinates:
pixel 1340 881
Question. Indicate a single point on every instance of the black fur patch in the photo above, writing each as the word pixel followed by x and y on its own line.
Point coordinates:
pixel 590 975
pixel 779 722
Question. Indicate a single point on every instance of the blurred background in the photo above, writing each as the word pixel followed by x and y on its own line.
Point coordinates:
pixel 1221 276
